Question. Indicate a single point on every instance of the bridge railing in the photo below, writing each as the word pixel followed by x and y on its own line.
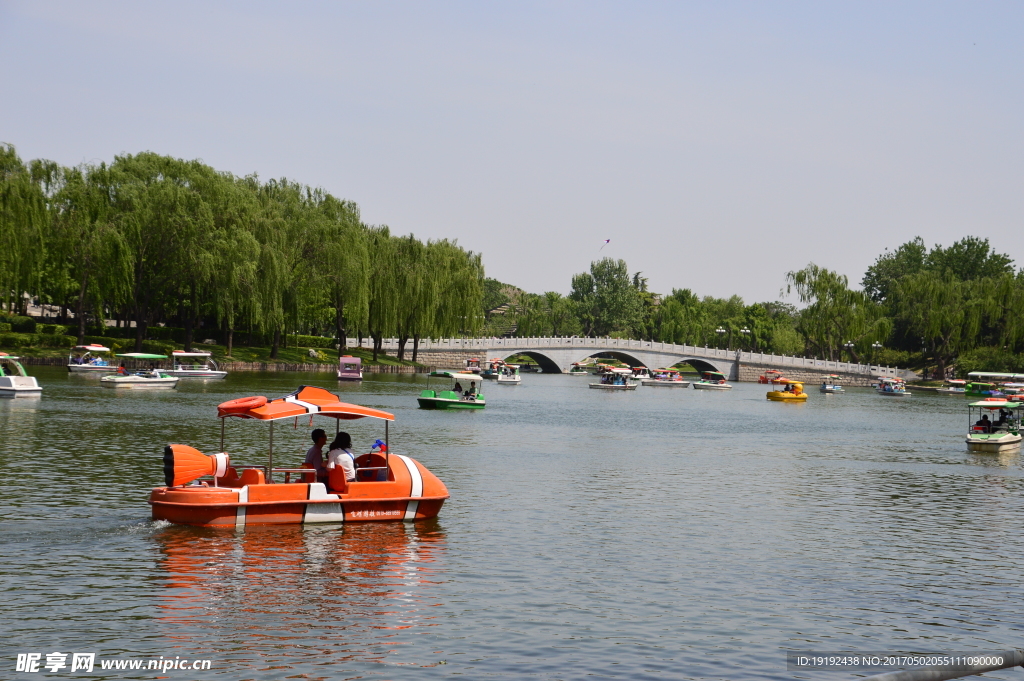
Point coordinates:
pixel 605 344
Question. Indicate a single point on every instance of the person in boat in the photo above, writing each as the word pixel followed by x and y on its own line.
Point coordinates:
pixel 1001 421
pixel 340 455
pixel 153 371
pixel 472 390
pixel 121 370
pixel 458 387
pixel 984 424
pixel 315 454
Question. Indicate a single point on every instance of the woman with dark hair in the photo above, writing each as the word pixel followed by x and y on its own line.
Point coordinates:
pixel 340 454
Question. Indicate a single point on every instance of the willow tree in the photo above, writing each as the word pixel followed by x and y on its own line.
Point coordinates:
pixel 458 277
pixel 23 222
pixel 384 295
pixel 341 261
pixel 946 312
pixel 416 282
pixel 86 243
pixel 160 220
pixel 835 315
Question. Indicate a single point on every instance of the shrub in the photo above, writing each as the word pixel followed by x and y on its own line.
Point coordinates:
pixel 12 340
pixel 989 359
pixel 23 325
pixel 54 329
pixel 309 341
pixel 4 327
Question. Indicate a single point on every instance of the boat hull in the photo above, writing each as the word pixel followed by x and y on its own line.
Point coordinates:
pixel 892 393
pixel 89 369
pixel 505 380
pixel 414 494
pixel 831 390
pixel 602 386
pixel 700 385
pixel 189 373
pixel 446 403
pixel 665 384
pixel 138 382
pixel 993 444
pixel 780 396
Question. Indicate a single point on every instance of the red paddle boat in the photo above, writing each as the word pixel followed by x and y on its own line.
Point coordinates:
pixel 385 488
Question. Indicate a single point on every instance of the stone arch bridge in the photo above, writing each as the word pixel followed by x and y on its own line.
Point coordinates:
pixel 557 355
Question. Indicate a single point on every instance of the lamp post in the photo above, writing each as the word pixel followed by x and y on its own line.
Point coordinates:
pixel 719 331
pixel 849 345
pixel 874 349
pixel 746 334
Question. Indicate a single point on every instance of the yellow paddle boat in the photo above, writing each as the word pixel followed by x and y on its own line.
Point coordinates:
pixel 793 392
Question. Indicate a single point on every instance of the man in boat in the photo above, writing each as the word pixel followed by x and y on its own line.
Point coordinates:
pixel 315 454
pixel 984 424
pixel 121 371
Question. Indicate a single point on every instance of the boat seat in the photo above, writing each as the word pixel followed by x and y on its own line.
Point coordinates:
pixel 336 482
pixel 307 477
pixel 252 476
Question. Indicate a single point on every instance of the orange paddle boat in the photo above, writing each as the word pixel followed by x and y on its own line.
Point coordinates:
pixel 401 489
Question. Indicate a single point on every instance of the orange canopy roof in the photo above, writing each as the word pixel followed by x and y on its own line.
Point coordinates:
pixel 309 400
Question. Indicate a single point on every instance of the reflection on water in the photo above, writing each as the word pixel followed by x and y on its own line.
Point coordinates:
pixel 318 595
pixel 646 535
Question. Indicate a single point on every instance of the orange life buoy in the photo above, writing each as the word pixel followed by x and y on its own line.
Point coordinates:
pixel 241 405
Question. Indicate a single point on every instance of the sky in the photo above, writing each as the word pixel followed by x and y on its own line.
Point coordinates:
pixel 717 144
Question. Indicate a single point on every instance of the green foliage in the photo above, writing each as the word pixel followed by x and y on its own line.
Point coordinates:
pixel 989 359
pixel 23 324
pixel 836 316
pixel 4 327
pixel 164 241
pixel 606 299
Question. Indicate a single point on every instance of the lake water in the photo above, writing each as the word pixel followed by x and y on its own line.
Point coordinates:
pixel 659 534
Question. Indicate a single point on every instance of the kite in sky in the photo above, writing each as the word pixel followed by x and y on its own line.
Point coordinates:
pixel 606 242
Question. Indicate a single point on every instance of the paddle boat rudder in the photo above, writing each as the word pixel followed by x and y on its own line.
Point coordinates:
pixel 211 491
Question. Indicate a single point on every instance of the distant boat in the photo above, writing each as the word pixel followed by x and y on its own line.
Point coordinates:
pixel 205 368
pixel 84 360
pixel 14 380
pixel 350 368
pixel 711 380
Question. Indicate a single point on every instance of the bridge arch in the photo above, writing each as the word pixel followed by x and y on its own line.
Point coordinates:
pixel 546 364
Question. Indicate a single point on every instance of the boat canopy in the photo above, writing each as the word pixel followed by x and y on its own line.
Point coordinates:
pixel 833 376
pixel 995 376
pixel 182 353
pixel 4 355
pixel 997 404
pixel 91 348
pixel 141 355
pixel 956 381
pixel 307 400
pixel 712 373
pixel 456 374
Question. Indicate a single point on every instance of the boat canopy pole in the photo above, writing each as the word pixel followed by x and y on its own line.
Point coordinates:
pixel 270 466
pixel 222 433
pixel 387 449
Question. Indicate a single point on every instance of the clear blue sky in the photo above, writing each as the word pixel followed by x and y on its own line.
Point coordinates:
pixel 717 144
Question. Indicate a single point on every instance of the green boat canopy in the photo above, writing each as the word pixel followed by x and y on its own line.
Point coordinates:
pixel 997 404
pixel 142 355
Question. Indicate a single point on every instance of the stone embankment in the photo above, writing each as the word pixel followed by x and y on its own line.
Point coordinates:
pixel 751 372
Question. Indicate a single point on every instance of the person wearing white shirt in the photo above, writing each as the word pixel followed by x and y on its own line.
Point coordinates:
pixel 340 454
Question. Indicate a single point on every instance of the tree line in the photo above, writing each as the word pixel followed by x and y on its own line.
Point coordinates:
pixel 153 239
pixel 931 307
